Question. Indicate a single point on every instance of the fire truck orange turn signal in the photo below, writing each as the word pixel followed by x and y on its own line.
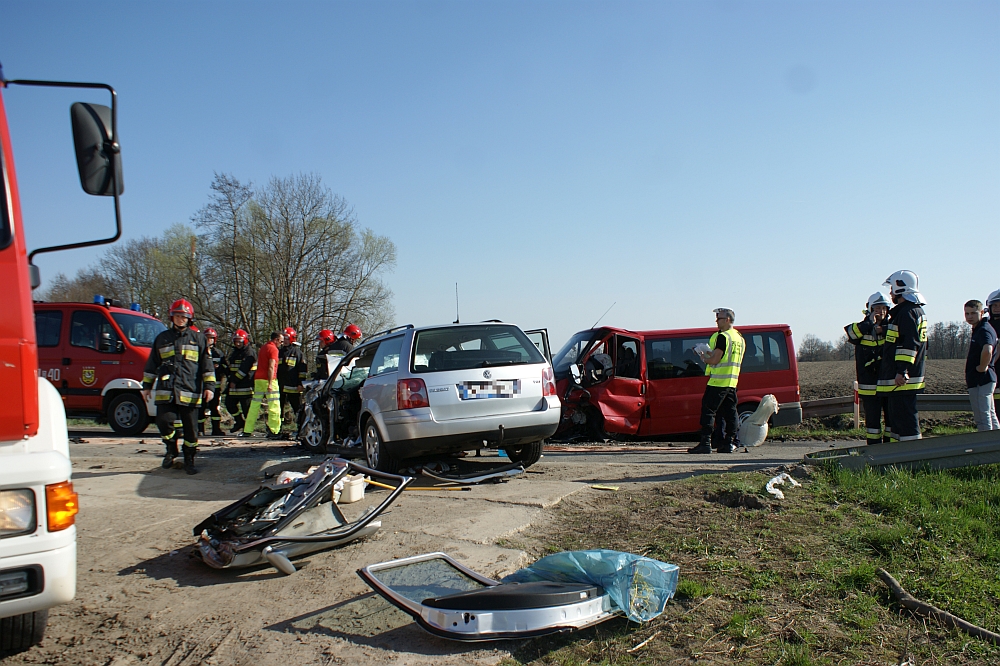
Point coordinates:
pixel 61 505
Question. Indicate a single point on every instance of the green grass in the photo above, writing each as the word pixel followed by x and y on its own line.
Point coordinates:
pixel 797 584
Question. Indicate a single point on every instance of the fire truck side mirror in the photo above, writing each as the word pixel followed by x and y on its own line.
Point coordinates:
pixel 98 155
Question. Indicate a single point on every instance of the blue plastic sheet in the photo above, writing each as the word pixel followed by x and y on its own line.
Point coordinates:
pixel 638 586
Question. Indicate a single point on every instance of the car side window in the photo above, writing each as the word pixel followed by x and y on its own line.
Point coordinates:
pixel 48 326
pixel 765 352
pixel 627 357
pixel 355 370
pixel 92 330
pixel 386 358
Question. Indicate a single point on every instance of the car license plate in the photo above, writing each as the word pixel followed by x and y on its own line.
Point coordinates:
pixel 504 388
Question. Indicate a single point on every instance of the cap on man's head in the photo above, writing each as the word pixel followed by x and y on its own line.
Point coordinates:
pixel 725 312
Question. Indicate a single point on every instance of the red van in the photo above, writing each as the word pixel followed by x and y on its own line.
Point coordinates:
pixel 94 354
pixel 650 383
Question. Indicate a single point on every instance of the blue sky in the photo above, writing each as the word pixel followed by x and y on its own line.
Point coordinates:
pixel 553 158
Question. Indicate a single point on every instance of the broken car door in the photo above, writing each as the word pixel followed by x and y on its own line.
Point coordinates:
pixel 622 396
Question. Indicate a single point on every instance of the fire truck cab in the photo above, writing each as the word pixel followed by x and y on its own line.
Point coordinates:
pixel 94 354
pixel 38 505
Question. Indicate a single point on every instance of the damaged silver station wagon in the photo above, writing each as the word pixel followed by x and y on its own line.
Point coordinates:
pixel 435 390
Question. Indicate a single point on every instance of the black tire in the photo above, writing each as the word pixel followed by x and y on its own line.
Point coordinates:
pixel 526 454
pixel 127 414
pixel 20 632
pixel 315 441
pixel 376 454
pixel 743 412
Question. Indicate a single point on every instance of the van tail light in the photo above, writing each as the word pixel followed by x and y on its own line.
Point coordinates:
pixel 548 382
pixel 411 393
pixel 61 505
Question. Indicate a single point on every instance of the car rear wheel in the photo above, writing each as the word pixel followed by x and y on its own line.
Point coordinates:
pixel 376 454
pixel 20 632
pixel 127 414
pixel 526 454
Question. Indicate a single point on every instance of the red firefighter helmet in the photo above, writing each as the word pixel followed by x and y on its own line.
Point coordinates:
pixel 326 336
pixel 241 336
pixel 292 335
pixel 210 333
pixel 182 307
pixel 352 332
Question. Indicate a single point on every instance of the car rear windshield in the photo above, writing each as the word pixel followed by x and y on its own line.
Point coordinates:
pixel 140 331
pixel 465 347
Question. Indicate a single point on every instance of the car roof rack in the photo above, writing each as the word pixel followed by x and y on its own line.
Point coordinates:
pixel 390 330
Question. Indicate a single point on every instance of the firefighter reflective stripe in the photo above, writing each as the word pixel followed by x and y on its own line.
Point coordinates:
pixel 161 395
pixel 190 444
pixel 188 398
pixel 241 391
pixel 166 352
pixel 239 374
pixel 727 372
pixel 892 334
pixel 853 332
pixel 867 389
pixel 208 376
pixel 922 329
pixel 291 361
pixel 189 352
pixel 910 438
pixel 874 432
pixel 906 355
pixel 290 389
pixel 148 378
pixel 912 384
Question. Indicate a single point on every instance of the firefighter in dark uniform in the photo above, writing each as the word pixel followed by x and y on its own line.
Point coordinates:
pixel 242 363
pixel 868 337
pixel 292 371
pixel 181 367
pixel 212 408
pixel 901 374
pixel 722 365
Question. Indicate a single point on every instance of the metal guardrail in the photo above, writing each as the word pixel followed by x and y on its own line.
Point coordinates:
pixel 967 449
pixel 926 402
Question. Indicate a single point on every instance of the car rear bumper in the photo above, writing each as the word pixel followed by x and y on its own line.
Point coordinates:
pixel 56 583
pixel 789 413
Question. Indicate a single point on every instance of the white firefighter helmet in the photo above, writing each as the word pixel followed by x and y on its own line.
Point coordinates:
pixel 993 298
pixel 878 298
pixel 904 283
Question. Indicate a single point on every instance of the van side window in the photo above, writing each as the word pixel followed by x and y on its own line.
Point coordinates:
pixel 627 357
pixel 765 352
pixel 671 358
pixel 92 330
pixel 387 356
pixel 48 325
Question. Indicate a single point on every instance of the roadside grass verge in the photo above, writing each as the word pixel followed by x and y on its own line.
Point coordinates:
pixel 794 582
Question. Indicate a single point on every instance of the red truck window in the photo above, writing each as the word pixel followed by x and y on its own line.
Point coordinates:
pixel 765 352
pixel 90 329
pixel 48 326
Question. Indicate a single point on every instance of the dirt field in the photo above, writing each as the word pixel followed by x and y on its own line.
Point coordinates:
pixel 828 379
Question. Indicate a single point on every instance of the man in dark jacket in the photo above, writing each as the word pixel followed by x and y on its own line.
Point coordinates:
pixel 211 410
pixel 980 375
pixel 181 367
pixel 901 374
pixel 242 363
pixel 292 371
pixel 868 336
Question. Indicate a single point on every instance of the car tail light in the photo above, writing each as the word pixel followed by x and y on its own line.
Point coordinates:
pixel 411 393
pixel 61 505
pixel 548 382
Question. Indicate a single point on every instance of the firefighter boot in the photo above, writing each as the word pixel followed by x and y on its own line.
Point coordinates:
pixel 172 452
pixel 704 446
pixel 217 429
pixel 189 453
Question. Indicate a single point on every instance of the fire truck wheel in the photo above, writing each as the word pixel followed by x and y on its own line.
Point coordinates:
pixel 20 632
pixel 127 414
pixel 527 454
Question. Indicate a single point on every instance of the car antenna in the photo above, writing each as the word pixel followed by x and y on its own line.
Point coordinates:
pixel 602 316
pixel 456 303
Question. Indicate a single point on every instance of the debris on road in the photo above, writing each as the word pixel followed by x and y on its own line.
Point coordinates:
pixel 281 521
pixel 601 486
pixel 496 475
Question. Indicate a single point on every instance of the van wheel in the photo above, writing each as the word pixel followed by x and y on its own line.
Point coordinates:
pixel 376 454
pixel 527 454
pixel 20 632
pixel 127 414
pixel 743 412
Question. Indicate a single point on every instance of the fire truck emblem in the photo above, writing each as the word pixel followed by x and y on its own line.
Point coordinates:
pixel 88 377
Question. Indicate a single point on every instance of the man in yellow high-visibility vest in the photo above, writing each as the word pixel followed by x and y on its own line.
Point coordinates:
pixel 722 359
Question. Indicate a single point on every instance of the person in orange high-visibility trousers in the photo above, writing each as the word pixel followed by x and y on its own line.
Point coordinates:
pixel 265 390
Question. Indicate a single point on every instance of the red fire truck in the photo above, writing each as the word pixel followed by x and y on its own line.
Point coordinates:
pixel 38 505
pixel 94 354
